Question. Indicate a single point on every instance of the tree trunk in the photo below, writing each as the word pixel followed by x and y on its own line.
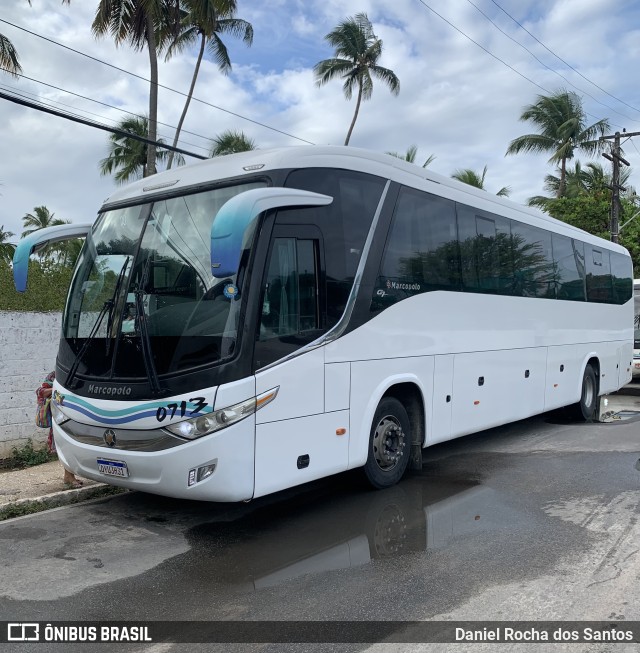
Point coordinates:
pixel 188 101
pixel 355 115
pixel 563 177
pixel 153 98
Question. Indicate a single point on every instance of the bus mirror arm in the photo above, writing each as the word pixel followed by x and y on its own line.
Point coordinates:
pixel 36 241
pixel 234 222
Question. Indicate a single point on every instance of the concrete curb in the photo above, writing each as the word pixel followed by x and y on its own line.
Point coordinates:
pixel 57 499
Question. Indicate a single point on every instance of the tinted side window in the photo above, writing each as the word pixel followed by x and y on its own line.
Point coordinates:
pixel 421 253
pixel 485 251
pixel 621 277
pixel 599 287
pixel 290 315
pixel 532 261
pixel 568 256
pixel 344 224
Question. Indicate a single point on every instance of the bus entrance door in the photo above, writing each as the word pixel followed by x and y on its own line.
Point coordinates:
pixel 296 434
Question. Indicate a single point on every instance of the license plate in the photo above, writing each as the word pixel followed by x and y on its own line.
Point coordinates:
pixel 113 468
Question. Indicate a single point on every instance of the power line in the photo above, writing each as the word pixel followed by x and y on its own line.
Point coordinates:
pixel 96 125
pixel 490 53
pixel 168 88
pixel 562 60
pixel 466 36
pixel 548 67
pixel 104 104
pixel 49 103
pixel 24 93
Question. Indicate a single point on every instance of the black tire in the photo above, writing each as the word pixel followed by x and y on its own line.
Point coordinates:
pixel 389 444
pixel 585 409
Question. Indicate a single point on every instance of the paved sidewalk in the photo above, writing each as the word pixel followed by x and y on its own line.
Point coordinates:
pixel 42 484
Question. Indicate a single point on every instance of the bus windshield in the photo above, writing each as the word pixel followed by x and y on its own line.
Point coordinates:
pixel 144 280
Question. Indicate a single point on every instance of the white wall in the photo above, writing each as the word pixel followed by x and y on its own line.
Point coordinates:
pixel 28 347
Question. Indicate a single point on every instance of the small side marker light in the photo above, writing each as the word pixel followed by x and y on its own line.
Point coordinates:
pixel 476 402
pixel 341 431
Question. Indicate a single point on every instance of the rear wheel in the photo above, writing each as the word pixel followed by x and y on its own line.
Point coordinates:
pixel 586 408
pixel 389 444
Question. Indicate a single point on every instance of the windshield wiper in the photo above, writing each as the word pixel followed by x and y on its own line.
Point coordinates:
pixel 107 307
pixel 147 355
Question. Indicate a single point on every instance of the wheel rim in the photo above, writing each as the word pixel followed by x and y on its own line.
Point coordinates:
pixel 388 443
pixel 588 392
pixel 390 532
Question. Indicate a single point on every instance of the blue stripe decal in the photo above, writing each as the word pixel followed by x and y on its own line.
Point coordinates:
pixel 123 411
pixel 122 420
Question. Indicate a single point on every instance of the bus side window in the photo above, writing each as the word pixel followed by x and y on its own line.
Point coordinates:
pixel 568 257
pixel 621 278
pixel 485 251
pixel 421 253
pixel 290 313
pixel 599 287
pixel 533 265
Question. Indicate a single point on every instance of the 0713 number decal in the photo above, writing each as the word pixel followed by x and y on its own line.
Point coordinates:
pixel 170 410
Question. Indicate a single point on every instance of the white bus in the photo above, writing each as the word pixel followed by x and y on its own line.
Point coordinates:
pixel 260 320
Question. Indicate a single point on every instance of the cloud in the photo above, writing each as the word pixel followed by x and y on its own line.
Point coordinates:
pixel 456 101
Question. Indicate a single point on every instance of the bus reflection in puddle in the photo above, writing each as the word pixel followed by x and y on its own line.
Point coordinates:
pixel 345 531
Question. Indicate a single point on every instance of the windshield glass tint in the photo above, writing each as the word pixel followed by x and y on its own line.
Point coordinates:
pixel 153 260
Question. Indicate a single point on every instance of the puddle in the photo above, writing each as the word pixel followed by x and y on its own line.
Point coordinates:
pixel 618 416
pixel 343 531
pixel 561 417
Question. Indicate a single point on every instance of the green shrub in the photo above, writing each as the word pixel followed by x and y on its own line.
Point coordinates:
pixel 46 288
pixel 27 456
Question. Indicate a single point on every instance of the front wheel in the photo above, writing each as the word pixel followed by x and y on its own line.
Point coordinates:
pixel 389 444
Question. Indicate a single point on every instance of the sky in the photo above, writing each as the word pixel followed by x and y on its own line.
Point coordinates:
pixel 467 69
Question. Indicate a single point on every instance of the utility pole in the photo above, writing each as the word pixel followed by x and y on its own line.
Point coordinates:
pixel 616 158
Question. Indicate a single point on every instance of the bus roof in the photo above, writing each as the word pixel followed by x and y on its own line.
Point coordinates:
pixel 235 166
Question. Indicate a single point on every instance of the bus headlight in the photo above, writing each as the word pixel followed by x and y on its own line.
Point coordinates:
pixel 196 427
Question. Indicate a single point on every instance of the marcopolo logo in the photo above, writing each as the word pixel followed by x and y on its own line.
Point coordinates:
pixel 110 391
pixel 395 285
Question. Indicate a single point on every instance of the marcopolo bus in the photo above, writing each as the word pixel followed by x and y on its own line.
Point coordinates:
pixel 256 321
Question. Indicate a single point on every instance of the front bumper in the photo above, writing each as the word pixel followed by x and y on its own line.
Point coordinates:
pixel 166 471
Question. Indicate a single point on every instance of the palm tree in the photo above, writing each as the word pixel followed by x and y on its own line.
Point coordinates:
pixel 562 124
pixel 9 57
pixel 471 177
pixel 6 248
pixel 204 21
pixel 128 157
pixel 41 218
pixel 588 180
pixel 357 50
pixel 231 142
pixel 411 154
pixel 137 22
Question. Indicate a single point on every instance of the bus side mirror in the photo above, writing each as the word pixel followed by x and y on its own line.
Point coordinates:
pixel 234 222
pixel 36 241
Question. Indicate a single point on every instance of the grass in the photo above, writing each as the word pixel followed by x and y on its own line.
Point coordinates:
pixel 28 456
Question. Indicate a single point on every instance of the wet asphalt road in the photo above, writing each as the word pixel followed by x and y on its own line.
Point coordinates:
pixel 537 520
